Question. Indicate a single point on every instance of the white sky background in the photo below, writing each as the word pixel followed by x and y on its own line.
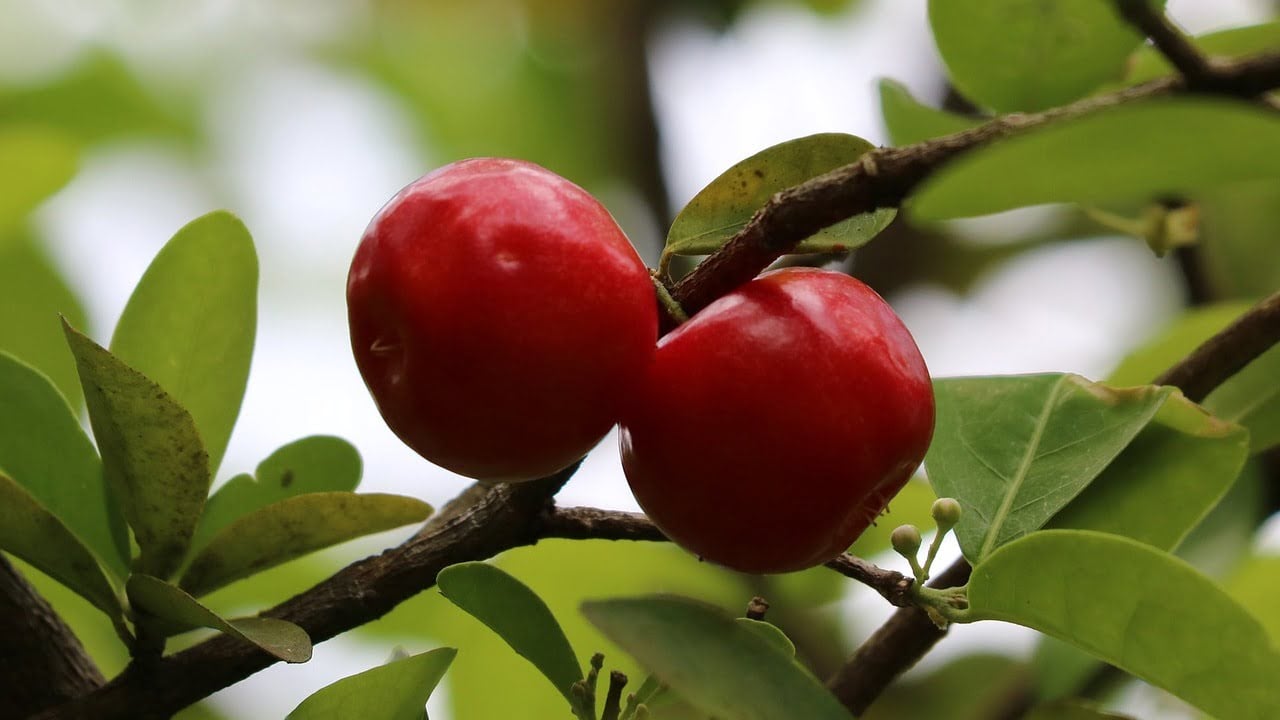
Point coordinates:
pixel 306 154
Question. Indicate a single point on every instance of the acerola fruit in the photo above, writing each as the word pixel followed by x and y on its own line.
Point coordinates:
pixel 775 425
pixel 497 314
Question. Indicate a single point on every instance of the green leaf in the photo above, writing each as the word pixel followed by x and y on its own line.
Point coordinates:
pixel 31 532
pixel 1250 398
pixel 32 295
pixel 1139 609
pixel 910 121
pixel 513 611
pixel 724 206
pixel 189 325
pixel 1255 585
pixel 34 163
pixel 1148 63
pixel 1166 481
pixel 178 611
pixel 1138 152
pixel 292 528
pixel 1071 710
pixel 44 449
pixel 1012 55
pixel 319 463
pixel 396 691
pixel 712 661
pixel 152 458
pixel 1015 450
pixel 1239 220
pixel 771 633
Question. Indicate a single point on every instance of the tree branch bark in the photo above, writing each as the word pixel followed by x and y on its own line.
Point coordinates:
pixel 42 663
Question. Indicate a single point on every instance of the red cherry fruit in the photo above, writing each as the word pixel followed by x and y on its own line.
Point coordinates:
pixel 775 425
pixel 497 313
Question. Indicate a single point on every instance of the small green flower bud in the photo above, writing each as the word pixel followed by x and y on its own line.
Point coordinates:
pixel 906 540
pixel 946 513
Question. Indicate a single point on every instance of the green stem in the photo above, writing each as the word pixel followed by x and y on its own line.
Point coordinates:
pixel 668 302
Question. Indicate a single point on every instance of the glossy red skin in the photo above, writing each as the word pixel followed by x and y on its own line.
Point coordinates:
pixel 497 312
pixel 775 425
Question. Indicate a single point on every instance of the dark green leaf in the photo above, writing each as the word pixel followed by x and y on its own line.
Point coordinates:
pixel 724 206
pixel 319 463
pixel 395 691
pixel 910 121
pixel 554 570
pixel 1166 481
pixel 32 533
pixel 1011 55
pixel 712 661
pixel 292 528
pixel 1250 398
pixel 1015 450
pixel 513 611
pixel 189 325
pixel 152 458
pixel 34 162
pixel 178 611
pixel 44 449
pixel 1148 63
pixel 1137 152
pixel 32 295
pixel 1139 609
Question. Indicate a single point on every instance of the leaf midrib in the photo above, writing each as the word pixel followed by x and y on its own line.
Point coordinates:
pixel 1024 467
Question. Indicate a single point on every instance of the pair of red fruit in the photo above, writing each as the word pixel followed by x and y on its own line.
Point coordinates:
pixel 503 323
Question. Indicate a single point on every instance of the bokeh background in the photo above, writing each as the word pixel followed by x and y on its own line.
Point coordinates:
pixel 303 118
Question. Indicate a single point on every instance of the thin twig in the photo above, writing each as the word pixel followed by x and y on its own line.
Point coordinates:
pixel 1170 40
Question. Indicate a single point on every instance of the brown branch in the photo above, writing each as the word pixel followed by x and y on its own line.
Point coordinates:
pixel 42 664
pixel 892 585
pixel 1226 353
pixel 481 523
pixel 909 634
pixel 485 521
pixel 583 523
pixel 884 177
pixel 1170 40
pixel 897 645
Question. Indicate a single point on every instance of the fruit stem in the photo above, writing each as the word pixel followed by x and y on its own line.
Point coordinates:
pixel 667 301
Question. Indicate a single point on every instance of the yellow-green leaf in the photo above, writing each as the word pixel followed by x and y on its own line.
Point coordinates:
pixel 152 457
pixel 179 611
pixel 32 533
pixel 292 528
pixel 190 323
